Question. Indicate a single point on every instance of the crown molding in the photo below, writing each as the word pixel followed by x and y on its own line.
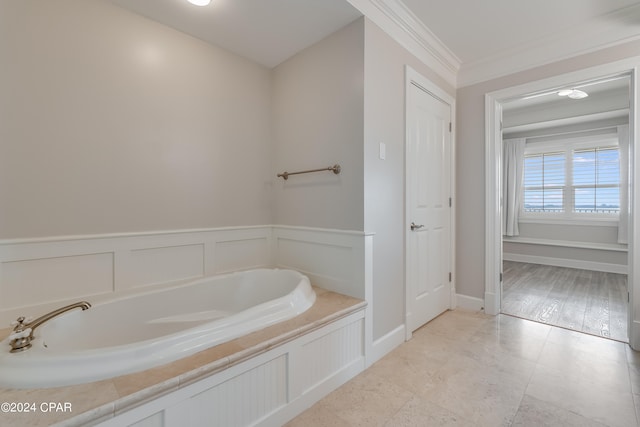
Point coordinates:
pixel 606 31
pixel 393 17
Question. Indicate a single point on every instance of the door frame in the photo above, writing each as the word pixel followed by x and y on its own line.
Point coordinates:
pixel 493 159
pixel 412 77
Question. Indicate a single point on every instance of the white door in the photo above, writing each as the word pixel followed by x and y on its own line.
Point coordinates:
pixel 428 207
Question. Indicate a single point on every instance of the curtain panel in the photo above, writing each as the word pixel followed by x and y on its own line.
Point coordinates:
pixel 623 220
pixel 512 176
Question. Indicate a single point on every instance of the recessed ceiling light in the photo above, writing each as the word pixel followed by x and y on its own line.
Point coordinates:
pixel 578 94
pixel 573 93
pixel 200 2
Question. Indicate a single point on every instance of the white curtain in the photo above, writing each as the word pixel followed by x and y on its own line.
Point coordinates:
pixel 512 176
pixel 623 221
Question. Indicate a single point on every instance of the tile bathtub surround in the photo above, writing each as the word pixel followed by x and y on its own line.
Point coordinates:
pixel 100 400
pixel 470 369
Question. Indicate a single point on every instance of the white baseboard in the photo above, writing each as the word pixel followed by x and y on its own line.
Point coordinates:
pixel 570 263
pixel 491 305
pixel 385 344
pixel 634 335
pixel 469 303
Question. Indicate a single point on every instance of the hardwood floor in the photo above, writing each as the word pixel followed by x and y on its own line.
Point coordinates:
pixel 582 300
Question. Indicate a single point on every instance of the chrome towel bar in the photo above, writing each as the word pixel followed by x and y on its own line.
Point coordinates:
pixel 335 169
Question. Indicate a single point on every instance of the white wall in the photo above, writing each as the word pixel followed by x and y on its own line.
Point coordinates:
pixel 110 122
pixel 318 122
pixel 470 184
pixel 384 205
pixel 575 233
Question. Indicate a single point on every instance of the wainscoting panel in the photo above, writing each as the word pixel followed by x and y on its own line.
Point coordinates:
pixel 162 265
pixel 36 281
pixel 332 259
pixel 234 255
pixel 38 275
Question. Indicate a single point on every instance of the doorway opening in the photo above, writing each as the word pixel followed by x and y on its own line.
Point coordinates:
pixel 564 216
pixel 565 263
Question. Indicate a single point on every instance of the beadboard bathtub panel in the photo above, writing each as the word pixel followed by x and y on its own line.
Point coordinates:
pixel 27 282
pixel 243 399
pixel 332 259
pixel 266 390
pixel 155 420
pixel 330 353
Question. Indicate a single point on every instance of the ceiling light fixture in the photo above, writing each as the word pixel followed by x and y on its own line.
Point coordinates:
pixel 200 2
pixel 573 93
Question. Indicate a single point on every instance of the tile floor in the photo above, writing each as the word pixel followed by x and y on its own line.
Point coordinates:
pixel 470 369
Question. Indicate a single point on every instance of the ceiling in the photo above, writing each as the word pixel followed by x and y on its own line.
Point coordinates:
pixel 265 31
pixel 474 30
pixel 607 105
pixel 483 38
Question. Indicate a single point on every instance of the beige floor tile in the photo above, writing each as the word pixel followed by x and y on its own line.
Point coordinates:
pixel 412 370
pixel 510 327
pixel 592 400
pixel 367 400
pixel 484 395
pixel 457 324
pixel 538 413
pixel 572 363
pixel 471 369
pixel 515 357
pixel 319 415
pixel 434 345
pixel 579 342
pixel 518 338
pixel 419 413
pixel 634 378
pixel 633 357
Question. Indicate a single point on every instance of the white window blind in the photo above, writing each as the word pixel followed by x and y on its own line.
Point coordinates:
pixel 596 180
pixel 544 182
pixel 571 180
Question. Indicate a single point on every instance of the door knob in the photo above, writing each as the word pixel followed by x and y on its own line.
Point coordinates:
pixel 414 227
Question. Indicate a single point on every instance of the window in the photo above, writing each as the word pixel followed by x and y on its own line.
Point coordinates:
pixel 568 180
pixel 596 180
pixel 544 182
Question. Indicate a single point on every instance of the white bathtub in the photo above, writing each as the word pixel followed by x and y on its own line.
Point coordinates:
pixel 139 332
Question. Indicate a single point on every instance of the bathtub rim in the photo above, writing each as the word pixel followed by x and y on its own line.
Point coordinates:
pixel 22 364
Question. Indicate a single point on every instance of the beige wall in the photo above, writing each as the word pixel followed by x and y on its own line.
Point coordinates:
pixel 110 122
pixel 470 185
pixel 318 122
pixel 384 105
